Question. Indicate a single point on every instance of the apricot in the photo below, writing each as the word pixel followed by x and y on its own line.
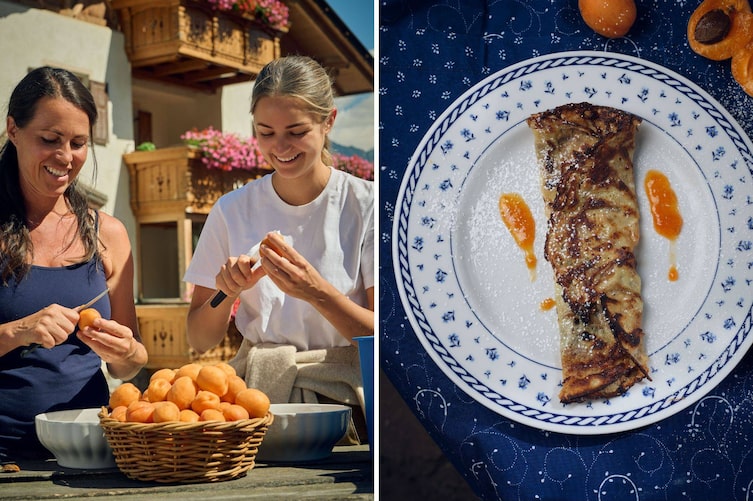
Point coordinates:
pixel 167 374
pixel 717 29
pixel 191 370
pixel 188 416
pixel 227 368
pixel 609 18
pixel 742 68
pixel 234 385
pixel 212 378
pixel 205 400
pixel 182 392
pixel 166 411
pixel 157 390
pixel 255 401
pixel 119 413
pixel 87 317
pixel 211 415
pixel 268 242
pixel 124 395
pixel 234 412
pixel 140 412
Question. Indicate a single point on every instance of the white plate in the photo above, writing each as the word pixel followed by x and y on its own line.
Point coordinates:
pixel 464 283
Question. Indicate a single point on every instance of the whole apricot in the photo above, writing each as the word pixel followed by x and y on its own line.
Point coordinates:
pixel 167 374
pixel 234 385
pixel 205 400
pixel 212 378
pixel 609 18
pixel 255 401
pixel 166 411
pixel 157 390
pixel 191 370
pixel 188 416
pixel 235 412
pixel 211 415
pixel 87 317
pixel 182 392
pixel 119 413
pixel 140 412
pixel 124 395
pixel 229 369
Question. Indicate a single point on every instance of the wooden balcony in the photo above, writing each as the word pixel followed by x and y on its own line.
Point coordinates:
pixel 173 180
pixel 184 42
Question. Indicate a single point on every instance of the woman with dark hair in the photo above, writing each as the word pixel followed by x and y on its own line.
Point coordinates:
pixel 55 254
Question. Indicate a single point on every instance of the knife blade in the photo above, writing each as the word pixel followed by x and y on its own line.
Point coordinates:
pixel 92 300
pixel 78 308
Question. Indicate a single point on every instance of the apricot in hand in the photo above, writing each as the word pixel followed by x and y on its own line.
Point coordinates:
pixel 87 317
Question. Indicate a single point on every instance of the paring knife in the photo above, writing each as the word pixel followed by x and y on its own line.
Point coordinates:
pixel 78 308
pixel 92 300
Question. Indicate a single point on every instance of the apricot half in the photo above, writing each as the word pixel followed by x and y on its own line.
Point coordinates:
pixel 742 68
pixel 719 28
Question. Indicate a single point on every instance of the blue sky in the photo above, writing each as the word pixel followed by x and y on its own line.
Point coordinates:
pixel 355 114
pixel 359 16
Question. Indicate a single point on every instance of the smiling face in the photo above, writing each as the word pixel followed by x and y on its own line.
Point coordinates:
pixel 52 147
pixel 290 138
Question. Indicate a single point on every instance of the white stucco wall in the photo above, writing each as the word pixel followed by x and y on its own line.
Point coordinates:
pixel 175 110
pixel 236 108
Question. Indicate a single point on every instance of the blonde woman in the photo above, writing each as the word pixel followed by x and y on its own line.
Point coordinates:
pixel 310 290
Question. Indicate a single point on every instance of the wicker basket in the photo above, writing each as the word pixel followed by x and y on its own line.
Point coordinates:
pixel 210 451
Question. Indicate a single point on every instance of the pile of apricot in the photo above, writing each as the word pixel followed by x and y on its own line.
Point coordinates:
pixel 723 29
pixel 191 393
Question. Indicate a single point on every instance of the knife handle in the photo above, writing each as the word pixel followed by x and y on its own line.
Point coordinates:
pixel 217 299
pixel 30 349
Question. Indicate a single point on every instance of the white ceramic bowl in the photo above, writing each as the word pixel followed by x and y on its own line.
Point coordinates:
pixel 76 438
pixel 303 432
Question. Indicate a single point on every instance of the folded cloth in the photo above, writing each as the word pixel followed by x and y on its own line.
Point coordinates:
pixel 289 376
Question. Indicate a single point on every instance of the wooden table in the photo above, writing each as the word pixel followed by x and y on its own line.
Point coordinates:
pixel 346 474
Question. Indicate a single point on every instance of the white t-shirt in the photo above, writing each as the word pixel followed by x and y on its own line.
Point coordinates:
pixel 335 233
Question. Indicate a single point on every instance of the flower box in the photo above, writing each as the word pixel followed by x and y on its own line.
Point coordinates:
pixel 187 43
pixel 172 180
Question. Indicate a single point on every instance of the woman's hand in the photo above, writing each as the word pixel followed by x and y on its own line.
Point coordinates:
pixel 290 271
pixel 296 277
pixel 113 342
pixel 237 275
pixel 48 327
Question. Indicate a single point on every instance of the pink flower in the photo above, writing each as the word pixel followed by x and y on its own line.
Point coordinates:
pixel 273 13
pixel 354 165
pixel 225 151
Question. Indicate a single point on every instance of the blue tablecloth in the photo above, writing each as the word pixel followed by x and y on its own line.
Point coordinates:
pixel 430 53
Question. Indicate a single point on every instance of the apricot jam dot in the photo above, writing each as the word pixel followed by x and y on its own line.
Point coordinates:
pixel 665 212
pixel 519 221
